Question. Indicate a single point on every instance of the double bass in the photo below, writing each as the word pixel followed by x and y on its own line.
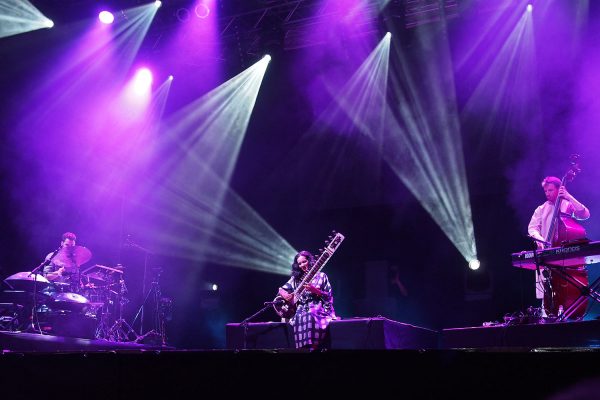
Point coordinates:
pixel 564 230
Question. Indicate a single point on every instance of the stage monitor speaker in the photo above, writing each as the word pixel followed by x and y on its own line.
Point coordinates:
pixel 380 333
pixel 263 335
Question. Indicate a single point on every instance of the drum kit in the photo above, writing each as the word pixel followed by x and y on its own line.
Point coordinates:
pixel 87 305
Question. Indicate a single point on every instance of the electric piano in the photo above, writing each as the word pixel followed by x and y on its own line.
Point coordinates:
pixel 567 256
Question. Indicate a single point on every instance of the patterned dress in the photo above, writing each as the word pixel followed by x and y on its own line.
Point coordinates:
pixel 313 312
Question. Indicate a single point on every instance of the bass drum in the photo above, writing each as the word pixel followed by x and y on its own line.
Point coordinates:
pixel 565 293
pixel 66 315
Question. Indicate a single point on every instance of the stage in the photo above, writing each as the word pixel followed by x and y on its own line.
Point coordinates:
pixel 375 356
pixel 581 334
pixel 376 333
pixel 345 334
pixel 382 333
pixel 23 342
pixel 414 374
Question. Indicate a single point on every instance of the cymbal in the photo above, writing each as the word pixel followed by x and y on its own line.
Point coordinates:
pixel 27 276
pixel 27 281
pixel 95 276
pixel 73 256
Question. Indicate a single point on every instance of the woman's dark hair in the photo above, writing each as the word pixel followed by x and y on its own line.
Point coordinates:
pixel 296 271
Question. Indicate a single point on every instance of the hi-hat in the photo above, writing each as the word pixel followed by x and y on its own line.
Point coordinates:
pixel 27 281
pixel 74 256
pixel 27 276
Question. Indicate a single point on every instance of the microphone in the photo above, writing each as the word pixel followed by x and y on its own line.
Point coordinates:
pixel 274 302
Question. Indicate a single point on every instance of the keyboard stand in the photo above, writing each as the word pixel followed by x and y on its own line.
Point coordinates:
pixel 586 291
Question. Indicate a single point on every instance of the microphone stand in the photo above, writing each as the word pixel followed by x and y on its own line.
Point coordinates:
pixel 244 323
pixel 34 316
pixel 545 281
pixel 131 243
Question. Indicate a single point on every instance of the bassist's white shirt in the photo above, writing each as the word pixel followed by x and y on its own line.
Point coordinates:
pixel 541 220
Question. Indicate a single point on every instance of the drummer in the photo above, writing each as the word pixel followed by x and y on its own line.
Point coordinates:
pixel 60 270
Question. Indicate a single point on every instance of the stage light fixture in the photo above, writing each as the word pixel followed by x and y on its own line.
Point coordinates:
pixel 106 17
pixel 142 81
pixel 474 264
pixel 170 77
pixel 529 7
pixel 202 11
pixel 182 14
pixel 158 3
pixel 19 16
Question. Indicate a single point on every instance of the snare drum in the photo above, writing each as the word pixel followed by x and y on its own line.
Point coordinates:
pixel 69 302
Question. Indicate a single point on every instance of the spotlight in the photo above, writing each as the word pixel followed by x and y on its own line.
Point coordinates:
pixel 529 7
pixel 49 23
pixel 106 17
pixel 267 57
pixel 170 77
pixel 474 264
pixel 142 81
pixel 202 11
pixel 158 3
pixel 214 287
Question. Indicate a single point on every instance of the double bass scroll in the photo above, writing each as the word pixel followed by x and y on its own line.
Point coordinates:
pixel 564 228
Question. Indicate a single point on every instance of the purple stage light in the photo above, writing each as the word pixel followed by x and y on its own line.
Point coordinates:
pixel 202 11
pixel 106 17
pixel 142 80
pixel 529 7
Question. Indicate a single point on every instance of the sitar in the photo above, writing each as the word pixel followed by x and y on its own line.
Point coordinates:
pixel 287 309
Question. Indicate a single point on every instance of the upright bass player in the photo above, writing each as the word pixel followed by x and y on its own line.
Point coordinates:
pixel 545 227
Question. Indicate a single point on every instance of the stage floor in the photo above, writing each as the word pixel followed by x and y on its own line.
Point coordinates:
pixel 579 334
pixel 351 334
pixel 35 342
pixel 135 373
pixel 382 333
pixel 375 356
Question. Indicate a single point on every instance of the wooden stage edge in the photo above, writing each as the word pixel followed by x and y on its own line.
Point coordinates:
pixel 382 333
pixel 94 370
pixel 375 356
pixel 376 333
